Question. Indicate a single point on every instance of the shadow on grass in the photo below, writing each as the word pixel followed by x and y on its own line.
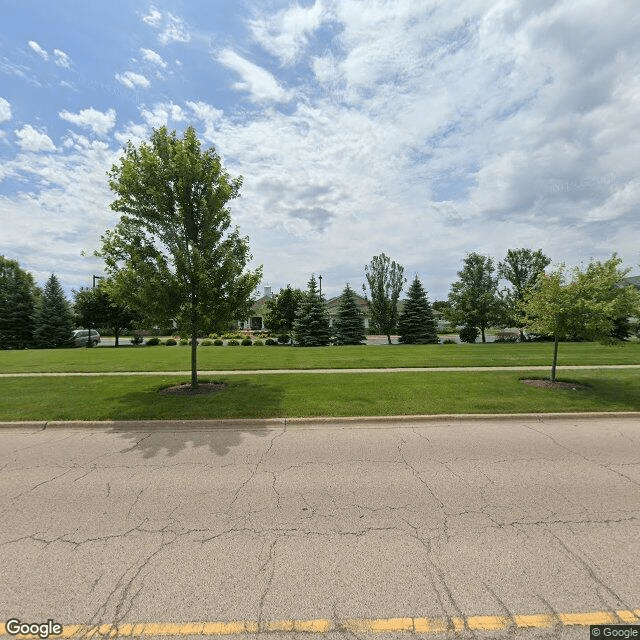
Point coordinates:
pixel 243 398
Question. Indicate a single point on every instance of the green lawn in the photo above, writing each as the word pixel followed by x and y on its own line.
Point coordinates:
pixel 295 395
pixel 163 358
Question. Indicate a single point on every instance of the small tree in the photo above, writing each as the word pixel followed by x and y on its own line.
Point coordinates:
pixel 417 324
pixel 18 299
pixel 311 327
pixel 521 268
pixel 281 310
pixel 172 256
pixel 349 322
pixel 587 306
pixel 474 298
pixel 54 323
pixel 386 280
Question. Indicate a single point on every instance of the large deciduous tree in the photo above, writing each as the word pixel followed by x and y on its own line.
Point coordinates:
pixel 521 268
pixel 386 280
pixel 281 310
pixel 311 327
pixel 18 299
pixel 349 321
pixel 474 299
pixel 417 324
pixel 586 305
pixel 172 255
pixel 54 321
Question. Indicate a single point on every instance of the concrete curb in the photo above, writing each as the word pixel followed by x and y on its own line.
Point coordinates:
pixel 353 421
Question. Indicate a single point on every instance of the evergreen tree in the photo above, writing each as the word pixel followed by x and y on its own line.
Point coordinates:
pixel 281 310
pixel 311 327
pixel 18 296
pixel 54 325
pixel 417 324
pixel 349 323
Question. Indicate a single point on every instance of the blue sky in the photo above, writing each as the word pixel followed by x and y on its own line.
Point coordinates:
pixel 424 130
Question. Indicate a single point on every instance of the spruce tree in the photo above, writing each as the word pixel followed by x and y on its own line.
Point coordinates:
pixel 18 295
pixel 417 324
pixel 349 322
pixel 54 325
pixel 311 327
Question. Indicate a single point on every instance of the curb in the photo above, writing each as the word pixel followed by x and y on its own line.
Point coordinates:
pixel 352 421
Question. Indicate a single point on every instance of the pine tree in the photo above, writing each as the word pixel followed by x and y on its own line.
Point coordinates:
pixel 417 324
pixel 311 327
pixel 54 326
pixel 18 294
pixel 349 323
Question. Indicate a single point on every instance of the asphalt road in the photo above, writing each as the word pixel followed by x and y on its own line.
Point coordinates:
pixel 491 529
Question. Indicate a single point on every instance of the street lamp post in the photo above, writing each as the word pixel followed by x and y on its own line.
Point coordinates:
pixel 93 286
pixel 320 279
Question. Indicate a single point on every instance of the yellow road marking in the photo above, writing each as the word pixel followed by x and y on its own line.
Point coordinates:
pixel 427 626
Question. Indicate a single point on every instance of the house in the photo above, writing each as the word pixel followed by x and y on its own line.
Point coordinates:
pixel 258 312
pixel 334 304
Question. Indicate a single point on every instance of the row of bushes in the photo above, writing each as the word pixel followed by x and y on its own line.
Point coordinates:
pixel 245 342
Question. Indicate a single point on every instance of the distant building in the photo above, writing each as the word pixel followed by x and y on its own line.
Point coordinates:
pixel 258 312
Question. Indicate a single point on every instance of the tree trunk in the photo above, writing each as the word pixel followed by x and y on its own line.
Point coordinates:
pixel 555 358
pixel 482 331
pixel 389 338
pixel 116 333
pixel 194 346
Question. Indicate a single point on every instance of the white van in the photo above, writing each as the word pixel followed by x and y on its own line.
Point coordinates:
pixel 80 337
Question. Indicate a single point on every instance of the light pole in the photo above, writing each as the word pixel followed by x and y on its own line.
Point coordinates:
pixel 93 286
pixel 320 279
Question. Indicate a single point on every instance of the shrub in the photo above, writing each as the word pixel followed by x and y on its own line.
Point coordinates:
pixel 232 343
pixel 206 343
pixel 468 334
pixel 507 339
pixel 137 339
pixel 233 335
pixel 153 342
pixel 170 342
pixel 284 339
pixel 217 342
pixel 258 343
pixel 448 341
pixel 270 342
pixel 246 342
pixel 183 342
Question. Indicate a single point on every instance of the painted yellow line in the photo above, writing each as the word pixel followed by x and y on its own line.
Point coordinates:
pixel 427 626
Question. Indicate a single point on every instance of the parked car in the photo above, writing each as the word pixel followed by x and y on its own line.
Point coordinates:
pixel 80 337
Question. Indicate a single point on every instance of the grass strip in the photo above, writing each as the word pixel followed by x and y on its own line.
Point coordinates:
pixel 308 395
pixel 162 358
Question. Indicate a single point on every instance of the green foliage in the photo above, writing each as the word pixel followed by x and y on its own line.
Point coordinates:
pixel 281 310
pixel 233 343
pixel 18 299
pixel 246 342
pixel 183 342
pixel 474 299
pixel 217 342
pixel 172 256
pixel 233 335
pixel 269 342
pixel 468 334
pixel 386 280
pixel 586 306
pixel 54 324
pixel 206 343
pixel 284 338
pixel 417 324
pixel 448 341
pixel 311 327
pixel 171 342
pixel 349 322
pixel 258 343
pixel 153 342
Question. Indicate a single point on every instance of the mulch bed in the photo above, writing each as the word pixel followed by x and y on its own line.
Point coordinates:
pixel 547 384
pixel 186 389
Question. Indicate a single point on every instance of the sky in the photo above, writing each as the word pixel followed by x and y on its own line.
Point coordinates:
pixel 424 129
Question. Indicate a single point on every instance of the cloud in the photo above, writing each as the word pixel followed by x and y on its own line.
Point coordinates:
pixel 209 115
pixel 257 81
pixel 29 139
pixel 172 28
pixel 100 122
pixel 38 49
pixel 131 80
pixel 5 110
pixel 61 59
pixel 160 114
pixel 151 56
pixel 286 33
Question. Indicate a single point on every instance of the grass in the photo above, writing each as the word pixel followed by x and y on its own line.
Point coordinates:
pixel 162 358
pixel 298 395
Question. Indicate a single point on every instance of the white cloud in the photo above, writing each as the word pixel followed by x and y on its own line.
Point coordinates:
pixel 154 18
pixel 257 81
pixel 210 116
pixel 160 114
pixel 100 122
pixel 286 33
pixel 5 110
pixel 61 59
pixel 151 56
pixel 172 28
pixel 38 49
pixel 29 139
pixel 131 80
